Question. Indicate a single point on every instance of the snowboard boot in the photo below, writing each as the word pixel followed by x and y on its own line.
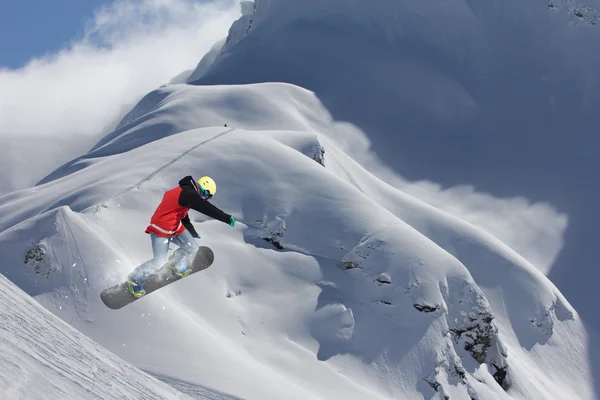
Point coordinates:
pixel 135 288
pixel 182 271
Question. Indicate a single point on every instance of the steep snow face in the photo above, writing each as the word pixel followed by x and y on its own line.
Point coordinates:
pixel 44 358
pixel 499 95
pixel 327 288
pixel 533 230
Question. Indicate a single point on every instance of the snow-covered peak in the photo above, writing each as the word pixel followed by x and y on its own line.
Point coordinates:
pixel 500 96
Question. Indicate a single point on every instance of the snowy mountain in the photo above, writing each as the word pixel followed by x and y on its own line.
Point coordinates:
pixel 498 95
pixel 335 290
pixel 336 283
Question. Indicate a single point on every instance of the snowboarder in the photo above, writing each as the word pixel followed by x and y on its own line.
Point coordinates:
pixel 171 224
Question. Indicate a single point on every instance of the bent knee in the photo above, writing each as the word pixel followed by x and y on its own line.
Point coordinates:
pixel 191 247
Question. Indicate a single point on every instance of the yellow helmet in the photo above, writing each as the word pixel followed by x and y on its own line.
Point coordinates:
pixel 206 184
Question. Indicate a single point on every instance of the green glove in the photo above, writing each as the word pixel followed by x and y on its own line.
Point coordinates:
pixel 231 221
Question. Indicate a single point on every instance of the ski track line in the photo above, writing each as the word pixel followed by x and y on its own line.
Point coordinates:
pixel 153 174
pixel 345 171
pixel 81 268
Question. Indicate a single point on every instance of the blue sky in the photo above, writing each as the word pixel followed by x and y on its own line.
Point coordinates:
pixel 31 28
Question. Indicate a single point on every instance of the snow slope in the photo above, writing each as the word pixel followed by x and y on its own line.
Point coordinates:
pixel 499 95
pixel 334 284
pixel 42 357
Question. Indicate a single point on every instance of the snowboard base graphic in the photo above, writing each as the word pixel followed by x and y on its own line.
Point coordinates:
pixel 119 296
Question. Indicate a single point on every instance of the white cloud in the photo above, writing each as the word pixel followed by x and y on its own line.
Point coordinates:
pixel 535 230
pixel 129 48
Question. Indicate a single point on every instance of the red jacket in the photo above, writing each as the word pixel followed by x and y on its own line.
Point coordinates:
pixel 166 220
pixel 171 216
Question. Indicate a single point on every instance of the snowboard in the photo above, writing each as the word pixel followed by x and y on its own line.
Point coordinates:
pixel 119 296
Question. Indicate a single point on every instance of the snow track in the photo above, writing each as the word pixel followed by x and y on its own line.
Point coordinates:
pixel 44 358
pixel 173 161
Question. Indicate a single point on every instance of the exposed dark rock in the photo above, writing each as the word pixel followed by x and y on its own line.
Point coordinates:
pixel 319 155
pixel 271 230
pixel 36 254
pixel 383 279
pixel 434 384
pixel 588 14
pixel 274 240
pixel 459 371
pixel 425 308
pixel 476 335
pixel 350 264
pixel 38 259
pixel 500 376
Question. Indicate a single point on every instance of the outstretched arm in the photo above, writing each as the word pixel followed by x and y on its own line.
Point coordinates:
pixel 190 199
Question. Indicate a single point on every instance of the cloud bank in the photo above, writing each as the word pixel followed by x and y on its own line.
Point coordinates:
pixel 535 230
pixel 74 96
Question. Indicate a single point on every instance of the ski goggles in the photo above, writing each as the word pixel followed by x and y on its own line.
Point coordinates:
pixel 205 194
